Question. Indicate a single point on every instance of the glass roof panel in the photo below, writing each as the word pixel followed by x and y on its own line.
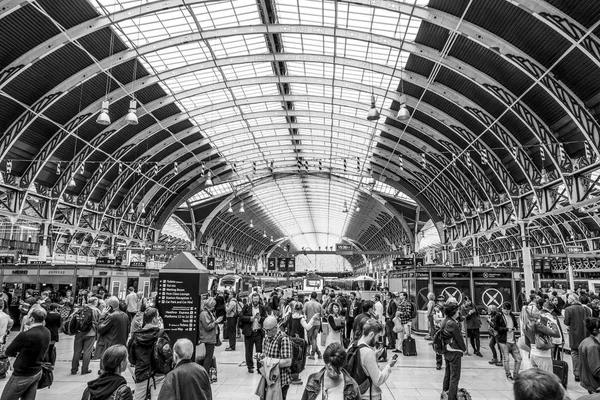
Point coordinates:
pixel 249 120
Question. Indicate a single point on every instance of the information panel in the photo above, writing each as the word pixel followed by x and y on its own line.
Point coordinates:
pixel 178 304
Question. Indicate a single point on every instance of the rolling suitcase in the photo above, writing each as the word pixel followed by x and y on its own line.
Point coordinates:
pixel 561 369
pixel 409 347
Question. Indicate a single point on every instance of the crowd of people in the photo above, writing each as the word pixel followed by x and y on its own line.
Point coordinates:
pixel 280 332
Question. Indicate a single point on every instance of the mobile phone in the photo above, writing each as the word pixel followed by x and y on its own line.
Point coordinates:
pixel 395 357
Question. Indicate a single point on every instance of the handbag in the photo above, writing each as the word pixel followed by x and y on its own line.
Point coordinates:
pixel 218 342
pixel 4 363
pixel 47 376
pixel 398 328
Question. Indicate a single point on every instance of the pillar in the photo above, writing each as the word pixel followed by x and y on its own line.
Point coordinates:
pixel 43 240
pixel 527 259
pixel 476 255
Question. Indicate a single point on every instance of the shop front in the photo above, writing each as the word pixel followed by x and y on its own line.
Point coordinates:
pixel 118 284
pixel 84 278
pixel 454 283
pixel 57 280
pixel 133 280
pixel 101 279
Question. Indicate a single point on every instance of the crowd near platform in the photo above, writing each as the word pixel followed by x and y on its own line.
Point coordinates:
pixel 327 345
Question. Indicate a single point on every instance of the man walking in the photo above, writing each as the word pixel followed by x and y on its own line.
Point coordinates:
pixel 113 328
pixel 149 377
pixel 29 347
pixel 188 380
pixel 506 326
pixel 131 300
pixel 277 346
pixel 84 340
pixel 455 346
pixel 253 316
pixel 312 308
pixel 589 357
pixel 575 315
pixel 232 312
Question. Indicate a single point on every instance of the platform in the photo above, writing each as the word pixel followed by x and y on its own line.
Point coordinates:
pixel 412 378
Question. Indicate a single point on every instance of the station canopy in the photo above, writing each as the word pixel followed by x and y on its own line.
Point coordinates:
pixel 258 123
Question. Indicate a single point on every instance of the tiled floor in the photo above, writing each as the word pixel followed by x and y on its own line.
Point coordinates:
pixel 412 378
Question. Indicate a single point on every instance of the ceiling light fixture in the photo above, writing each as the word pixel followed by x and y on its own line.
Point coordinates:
pixel 357 209
pixel 208 181
pixel 103 117
pixel 271 238
pixel 230 209
pixel 251 224
pixel 131 117
pixel 345 210
pixel 264 234
pixel 373 114
pixel 242 210
pixel 72 181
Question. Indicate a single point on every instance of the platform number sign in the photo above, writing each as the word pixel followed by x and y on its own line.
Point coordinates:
pixel 210 263
pixel 272 264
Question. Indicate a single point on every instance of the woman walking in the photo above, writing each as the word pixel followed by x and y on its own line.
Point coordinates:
pixel 491 319
pixel 207 332
pixel 473 324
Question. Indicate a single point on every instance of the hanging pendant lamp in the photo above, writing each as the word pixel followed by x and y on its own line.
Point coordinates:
pixel 131 117
pixel 103 117
pixel 373 114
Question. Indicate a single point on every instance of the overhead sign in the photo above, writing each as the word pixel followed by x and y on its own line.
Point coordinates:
pixel 7 259
pixel 37 262
pixel 210 263
pixel 286 264
pixel 537 266
pixel 272 264
pixel 343 249
pixel 159 247
pixel 419 262
pixel 403 262
pixel 574 249
pixel 137 264
pixel 105 261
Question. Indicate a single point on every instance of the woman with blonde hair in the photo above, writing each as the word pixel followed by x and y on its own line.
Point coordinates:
pixel 207 333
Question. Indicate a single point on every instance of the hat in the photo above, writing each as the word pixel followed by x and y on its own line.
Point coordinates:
pixel 441 297
pixel 270 322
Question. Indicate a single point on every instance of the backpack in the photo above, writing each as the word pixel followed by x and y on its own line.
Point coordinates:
pixel 123 306
pixel 543 341
pixel 355 368
pixel 461 394
pixel 299 349
pixel 413 311
pixel 81 320
pixel 238 309
pixel 162 354
pixel 47 376
pixel 438 342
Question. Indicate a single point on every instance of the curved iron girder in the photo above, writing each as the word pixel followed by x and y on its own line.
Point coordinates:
pixel 399 216
pixel 176 118
pixel 522 111
pixel 398 184
pixel 436 17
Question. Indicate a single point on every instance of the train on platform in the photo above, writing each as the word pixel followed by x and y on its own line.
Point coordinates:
pixel 359 283
pixel 244 284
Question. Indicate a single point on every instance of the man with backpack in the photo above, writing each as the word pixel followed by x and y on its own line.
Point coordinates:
pixel 83 323
pixel 151 353
pixel 362 361
pixel 233 309
pixel 277 345
pixel 545 329
pixel 406 313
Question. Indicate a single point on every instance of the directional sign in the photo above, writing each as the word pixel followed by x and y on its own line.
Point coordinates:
pixel 272 264
pixel 343 249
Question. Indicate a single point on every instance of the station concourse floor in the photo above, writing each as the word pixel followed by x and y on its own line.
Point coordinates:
pixel 412 377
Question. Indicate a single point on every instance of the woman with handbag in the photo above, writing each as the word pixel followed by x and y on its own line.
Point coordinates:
pixel 208 334
pixel 336 324
pixel 491 319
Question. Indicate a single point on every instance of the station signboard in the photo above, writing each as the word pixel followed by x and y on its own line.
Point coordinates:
pixel 137 264
pixel 343 249
pixel 272 264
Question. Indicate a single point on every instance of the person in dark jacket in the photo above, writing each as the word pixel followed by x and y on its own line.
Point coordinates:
pixel 110 381
pixel 332 376
pixel 53 324
pixel 187 380
pixel 390 313
pixel 140 350
pixel 354 308
pixel 29 347
pixel 506 326
pixel 252 318
pixel 454 349
pixel 575 315
pixel 360 319
pixel 473 322
pixel 113 327
pixel 589 352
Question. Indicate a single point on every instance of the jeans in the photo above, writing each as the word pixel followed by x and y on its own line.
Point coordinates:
pixel 452 374
pixel 21 387
pixel 541 363
pixel 231 325
pixel 439 359
pixel 208 358
pixel 83 344
pixel 284 390
pixel 254 339
pixel 349 323
pixel 431 326
pixel 312 335
pixel 513 350
pixel 474 336
pixel 153 386
pixel 493 344
pixel 406 329
pixel 389 331
pixel 575 359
